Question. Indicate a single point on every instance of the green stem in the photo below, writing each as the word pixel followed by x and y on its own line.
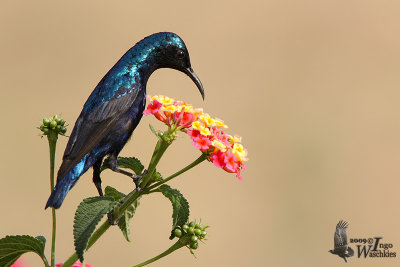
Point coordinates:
pixel 174 247
pixel 52 138
pixel 157 154
pixel 159 150
pixel 199 160
pixel 96 235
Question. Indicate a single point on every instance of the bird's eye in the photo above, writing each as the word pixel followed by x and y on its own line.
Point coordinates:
pixel 180 54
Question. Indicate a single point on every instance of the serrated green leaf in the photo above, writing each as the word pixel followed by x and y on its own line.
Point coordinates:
pixel 125 162
pixel 87 216
pixel 180 206
pixel 12 247
pixel 42 238
pixel 123 223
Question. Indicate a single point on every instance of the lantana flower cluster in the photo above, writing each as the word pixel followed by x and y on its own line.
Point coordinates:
pixel 207 134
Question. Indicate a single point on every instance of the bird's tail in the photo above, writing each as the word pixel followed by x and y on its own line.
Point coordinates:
pixel 59 193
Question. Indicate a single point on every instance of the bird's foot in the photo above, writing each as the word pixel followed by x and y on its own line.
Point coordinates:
pixel 110 218
pixel 136 179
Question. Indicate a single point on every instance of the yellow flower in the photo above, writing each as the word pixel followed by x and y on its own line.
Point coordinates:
pixel 237 139
pixel 197 125
pixel 165 100
pixel 216 143
pixel 220 123
pixel 239 152
pixel 205 131
pixel 207 120
pixel 170 108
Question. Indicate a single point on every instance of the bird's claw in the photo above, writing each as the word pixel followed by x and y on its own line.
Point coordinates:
pixel 110 218
pixel 136 179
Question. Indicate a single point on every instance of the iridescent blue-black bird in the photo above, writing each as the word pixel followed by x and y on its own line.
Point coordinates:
pixel 114 109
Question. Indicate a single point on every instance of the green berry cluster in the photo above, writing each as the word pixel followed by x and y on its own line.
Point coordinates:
pixel 193 231
pixel 54 123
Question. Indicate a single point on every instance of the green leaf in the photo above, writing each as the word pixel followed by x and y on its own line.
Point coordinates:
pixel 157 177
pixel 12 247
pixel 123 223
pixel 42 238
pixel 87 216
pixel 180 206
pixel 125 162
pixel 154 131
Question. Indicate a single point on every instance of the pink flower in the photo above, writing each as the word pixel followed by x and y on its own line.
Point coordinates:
pixel 202 143
pixel 186 119
pixel 193 133
pixel 231 162
pixel 18 263
pixel 222 149
pixel 153 108
pixel 218 159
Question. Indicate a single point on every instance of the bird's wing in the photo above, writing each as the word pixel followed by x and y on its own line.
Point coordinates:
pixel 91 127
pixel 340 238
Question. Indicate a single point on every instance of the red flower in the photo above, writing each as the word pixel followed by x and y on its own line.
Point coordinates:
pixel 153 108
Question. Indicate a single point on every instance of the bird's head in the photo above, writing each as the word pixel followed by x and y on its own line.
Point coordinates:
pixel 331 251
pixel 168 50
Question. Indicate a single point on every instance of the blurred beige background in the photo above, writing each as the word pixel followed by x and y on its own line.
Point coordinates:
pixel 312 86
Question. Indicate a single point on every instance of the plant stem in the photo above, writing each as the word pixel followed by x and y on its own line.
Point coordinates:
pixel 174 247
pixel 52 138
pixel 159 150
pixel 199 160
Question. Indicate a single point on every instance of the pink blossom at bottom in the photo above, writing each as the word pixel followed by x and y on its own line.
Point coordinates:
pixel 18 263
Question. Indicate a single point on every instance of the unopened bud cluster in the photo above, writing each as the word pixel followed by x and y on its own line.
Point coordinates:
pixel 194 231
pixel 54 123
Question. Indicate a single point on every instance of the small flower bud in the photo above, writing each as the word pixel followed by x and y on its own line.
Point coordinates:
pixel 57 119
pixel 193 238
pixel 177 232
pixel 53 124
pixel 190 230
pixel 197 232
pixel 194 245
pixel 46 122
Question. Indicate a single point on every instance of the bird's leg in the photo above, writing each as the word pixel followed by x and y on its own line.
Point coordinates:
pixel 96 176
pixel 113 166
pixel 97 183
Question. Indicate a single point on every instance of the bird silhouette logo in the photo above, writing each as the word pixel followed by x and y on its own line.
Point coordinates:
pixel 341 247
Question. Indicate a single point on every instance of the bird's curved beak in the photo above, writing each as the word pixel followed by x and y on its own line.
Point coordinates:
pixel 189 71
